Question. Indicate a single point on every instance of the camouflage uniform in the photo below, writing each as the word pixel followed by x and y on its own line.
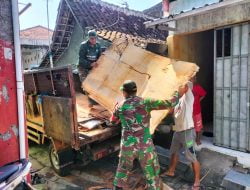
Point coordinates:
pixel 136 141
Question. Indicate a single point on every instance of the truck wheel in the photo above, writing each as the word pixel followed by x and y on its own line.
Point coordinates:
pixel 55 163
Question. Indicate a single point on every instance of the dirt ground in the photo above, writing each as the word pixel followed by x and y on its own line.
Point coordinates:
pixel 100 174
pixel 96 175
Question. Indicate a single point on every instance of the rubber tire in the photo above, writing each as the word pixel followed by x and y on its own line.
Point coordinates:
pixel 61 171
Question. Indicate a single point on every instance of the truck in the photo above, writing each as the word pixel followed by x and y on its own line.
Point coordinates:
pixel 58 110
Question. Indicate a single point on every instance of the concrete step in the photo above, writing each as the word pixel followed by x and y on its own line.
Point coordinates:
pixel 236 180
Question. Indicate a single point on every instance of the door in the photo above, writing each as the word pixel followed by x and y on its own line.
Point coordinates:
pixel 231 87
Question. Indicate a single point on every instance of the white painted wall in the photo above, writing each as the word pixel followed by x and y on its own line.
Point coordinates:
pixel 32 57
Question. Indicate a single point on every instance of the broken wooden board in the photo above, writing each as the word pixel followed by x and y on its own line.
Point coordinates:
pixel 156 76
pixel 84 113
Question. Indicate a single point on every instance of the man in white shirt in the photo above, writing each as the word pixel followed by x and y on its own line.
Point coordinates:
pixel 184 135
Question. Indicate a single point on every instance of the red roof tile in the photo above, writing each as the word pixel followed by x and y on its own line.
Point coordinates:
pixel 110 21
pixel 101 15
pixel 36 32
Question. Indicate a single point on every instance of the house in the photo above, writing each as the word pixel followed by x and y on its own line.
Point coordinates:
pixel 111 22
pixel 215 35
pixel 34 45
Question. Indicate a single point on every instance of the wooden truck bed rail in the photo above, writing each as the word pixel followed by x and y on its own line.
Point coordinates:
pixel 56 110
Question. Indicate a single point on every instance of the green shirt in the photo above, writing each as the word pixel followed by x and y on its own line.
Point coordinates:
pixel 88 54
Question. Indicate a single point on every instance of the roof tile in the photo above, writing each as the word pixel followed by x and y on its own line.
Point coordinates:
pixel 111 22
pixel 100 15
pixel 36 33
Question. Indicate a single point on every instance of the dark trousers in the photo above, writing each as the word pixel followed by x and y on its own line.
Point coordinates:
pixel 83 73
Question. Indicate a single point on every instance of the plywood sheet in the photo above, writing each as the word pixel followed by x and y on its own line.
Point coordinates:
pixel 96 132
pixel 156 76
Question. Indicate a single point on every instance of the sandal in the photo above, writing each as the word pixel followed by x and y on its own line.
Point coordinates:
pixel 165 174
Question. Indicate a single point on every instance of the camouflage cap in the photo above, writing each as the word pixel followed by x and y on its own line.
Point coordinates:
pixel 129 86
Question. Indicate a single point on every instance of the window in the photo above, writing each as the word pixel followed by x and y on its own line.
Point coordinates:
pixel 223 42
pixel 219 43
pixel 227 42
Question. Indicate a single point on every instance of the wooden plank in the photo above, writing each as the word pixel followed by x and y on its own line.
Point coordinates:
pixel 98 134
pixel 34 136
pixel 34 139
pixel 33 132
pixel 35 126
pixel 99 131
pixel 84 113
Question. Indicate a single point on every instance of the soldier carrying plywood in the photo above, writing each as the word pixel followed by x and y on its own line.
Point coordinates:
pixel 136 141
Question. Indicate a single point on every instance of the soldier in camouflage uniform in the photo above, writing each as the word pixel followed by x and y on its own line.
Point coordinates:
pixel 136 141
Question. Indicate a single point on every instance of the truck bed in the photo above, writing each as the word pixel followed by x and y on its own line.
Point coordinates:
pixel 84 113
pixel 56 108
pixel 94 117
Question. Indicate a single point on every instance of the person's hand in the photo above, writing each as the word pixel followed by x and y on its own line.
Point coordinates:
pixel 171 111
pixel 109 123
pixel 182 90
pixel 94 64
